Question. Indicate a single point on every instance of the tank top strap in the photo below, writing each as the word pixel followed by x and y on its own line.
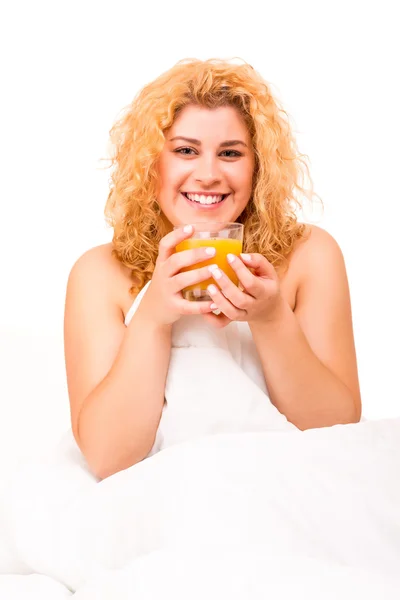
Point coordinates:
pixel 135 304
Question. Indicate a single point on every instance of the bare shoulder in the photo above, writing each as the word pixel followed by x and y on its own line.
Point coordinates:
pixel 99 270
pixel 99 261
pixel 318 246
pixel 315 253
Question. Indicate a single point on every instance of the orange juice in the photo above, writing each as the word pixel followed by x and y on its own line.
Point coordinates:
pixel 223 246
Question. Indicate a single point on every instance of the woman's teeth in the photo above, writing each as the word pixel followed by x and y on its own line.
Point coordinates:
pixel 205 199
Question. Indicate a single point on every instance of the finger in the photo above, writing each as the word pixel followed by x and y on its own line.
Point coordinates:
pixel 169 242
pixel 261 266
pixel 218 321
pixel 231 291
pixel 187 307
pixel 183 280
pixel 187 258
pixel 220 301
pixel 249 282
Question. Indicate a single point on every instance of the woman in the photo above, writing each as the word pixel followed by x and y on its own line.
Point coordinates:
pixel 204 128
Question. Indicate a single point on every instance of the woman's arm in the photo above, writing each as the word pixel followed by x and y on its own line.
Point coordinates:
pixel 308 356
pixel 116 374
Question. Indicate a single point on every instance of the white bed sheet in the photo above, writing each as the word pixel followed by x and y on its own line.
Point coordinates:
pixel 32 587
pixel 330 496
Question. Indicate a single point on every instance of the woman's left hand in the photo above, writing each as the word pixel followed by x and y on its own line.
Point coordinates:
pixel 261 298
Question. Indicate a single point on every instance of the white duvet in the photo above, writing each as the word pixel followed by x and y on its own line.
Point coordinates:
pixel 233 501
pixel 228 515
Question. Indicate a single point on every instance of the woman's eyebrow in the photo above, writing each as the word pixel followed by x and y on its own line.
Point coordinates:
pixel 198 142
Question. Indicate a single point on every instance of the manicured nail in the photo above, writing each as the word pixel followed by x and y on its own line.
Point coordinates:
pixel 230 258
pixel 246 256
pixel 215 272
pixel 188 229
pixel 212 289
pixel 213 306
pixel 210 251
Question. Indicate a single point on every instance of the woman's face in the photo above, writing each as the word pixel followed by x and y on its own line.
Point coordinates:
pixel 206 166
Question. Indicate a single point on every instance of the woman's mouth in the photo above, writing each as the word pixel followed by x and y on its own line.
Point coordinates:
pixel 205 201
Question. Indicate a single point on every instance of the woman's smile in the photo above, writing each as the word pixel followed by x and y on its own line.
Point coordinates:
pixel 205 200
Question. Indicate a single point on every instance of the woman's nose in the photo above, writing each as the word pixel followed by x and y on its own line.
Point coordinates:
pixel 207 171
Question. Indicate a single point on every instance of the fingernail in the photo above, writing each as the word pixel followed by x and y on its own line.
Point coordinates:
pixel 246 256
pixel 230 258
pixel 187 229
pixel 215 272
pixel 212 289
pixel 210 251
pixel 213 306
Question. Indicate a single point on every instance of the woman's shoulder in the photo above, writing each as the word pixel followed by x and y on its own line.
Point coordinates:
pixel 317 246
pixel 314 242
pixel 311 253
pixel 102 269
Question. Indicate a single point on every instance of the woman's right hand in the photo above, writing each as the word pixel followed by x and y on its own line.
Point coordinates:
pixel 163 302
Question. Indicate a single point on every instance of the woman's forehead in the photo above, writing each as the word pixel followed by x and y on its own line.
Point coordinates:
pixel 198 121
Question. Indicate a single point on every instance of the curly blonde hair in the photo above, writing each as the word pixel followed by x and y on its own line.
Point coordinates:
pixel 271 225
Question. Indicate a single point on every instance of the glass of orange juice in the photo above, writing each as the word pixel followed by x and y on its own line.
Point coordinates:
pixel 226 238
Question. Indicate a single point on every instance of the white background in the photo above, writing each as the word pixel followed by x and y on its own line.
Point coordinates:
pixel 69 68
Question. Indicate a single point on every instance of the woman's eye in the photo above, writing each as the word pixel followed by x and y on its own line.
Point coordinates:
pixel 182 150
pixel 234 153
pixel 188 151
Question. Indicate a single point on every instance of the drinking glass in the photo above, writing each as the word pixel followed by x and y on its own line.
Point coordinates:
pixel 226 238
